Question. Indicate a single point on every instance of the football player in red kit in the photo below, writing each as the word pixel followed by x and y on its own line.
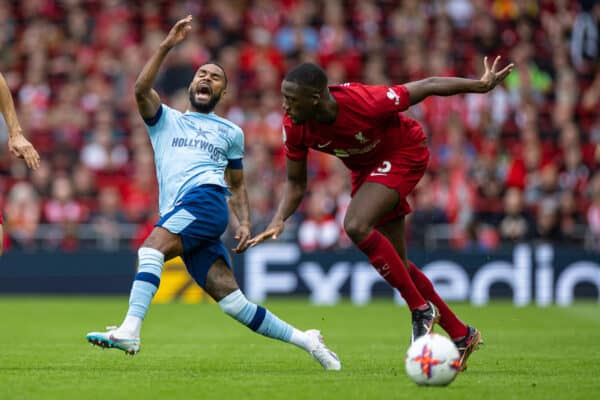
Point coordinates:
pixel 387 155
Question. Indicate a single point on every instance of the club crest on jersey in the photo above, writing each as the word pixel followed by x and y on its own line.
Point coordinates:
pixel 392 95
pixel 361 138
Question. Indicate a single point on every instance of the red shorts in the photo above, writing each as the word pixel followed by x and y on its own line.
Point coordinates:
pixel 399 169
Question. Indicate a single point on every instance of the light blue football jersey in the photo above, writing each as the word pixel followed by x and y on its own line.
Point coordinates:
pixel 191 149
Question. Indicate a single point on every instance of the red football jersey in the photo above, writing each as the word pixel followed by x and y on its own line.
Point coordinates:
pixel 369 121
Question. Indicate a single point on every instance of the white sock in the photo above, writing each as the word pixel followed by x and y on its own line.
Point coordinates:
pixel 301 340
pixel 131 325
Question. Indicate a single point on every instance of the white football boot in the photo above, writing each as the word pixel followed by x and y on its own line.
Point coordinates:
pixel 114 339
pixel 320 352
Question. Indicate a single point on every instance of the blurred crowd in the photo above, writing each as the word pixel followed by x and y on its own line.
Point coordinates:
pixel 518 164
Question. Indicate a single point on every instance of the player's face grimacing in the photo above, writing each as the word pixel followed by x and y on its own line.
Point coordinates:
pixel 207 87
pixel 299 102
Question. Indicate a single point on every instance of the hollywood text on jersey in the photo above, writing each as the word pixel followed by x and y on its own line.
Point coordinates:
pixel 215 153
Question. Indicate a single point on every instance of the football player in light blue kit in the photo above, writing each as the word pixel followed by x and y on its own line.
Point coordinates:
pixel 194 153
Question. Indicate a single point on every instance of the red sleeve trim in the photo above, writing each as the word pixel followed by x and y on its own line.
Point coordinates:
pixel 296 156
pixel 404 97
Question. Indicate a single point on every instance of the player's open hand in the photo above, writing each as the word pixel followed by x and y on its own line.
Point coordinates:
pixel 491 77
pixel 178 32
pixel 242 235
pixel 272 232
pixel 20 147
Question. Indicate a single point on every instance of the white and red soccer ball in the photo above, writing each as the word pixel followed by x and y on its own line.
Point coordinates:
pixel 432 360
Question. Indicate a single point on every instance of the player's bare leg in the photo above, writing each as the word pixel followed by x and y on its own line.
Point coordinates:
pixel 467 339
pixel 370 204
pixel 222 286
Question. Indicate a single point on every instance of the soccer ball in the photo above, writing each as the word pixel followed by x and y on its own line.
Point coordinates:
pixel 432 360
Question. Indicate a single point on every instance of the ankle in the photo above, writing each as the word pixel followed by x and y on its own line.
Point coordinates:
pixel 302 340
pixel 131 325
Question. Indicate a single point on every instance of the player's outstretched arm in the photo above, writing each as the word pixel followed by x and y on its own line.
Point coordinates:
pixel 18 145
pixel 146 97
pixel 440 86
pixel 240 206
pixel 293 192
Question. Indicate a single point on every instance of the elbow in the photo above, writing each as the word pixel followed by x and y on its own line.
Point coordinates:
pixel 431 86
pixel 140 89
pixel 420 90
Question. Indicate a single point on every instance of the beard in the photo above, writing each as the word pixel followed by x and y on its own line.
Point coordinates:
pixel 204 108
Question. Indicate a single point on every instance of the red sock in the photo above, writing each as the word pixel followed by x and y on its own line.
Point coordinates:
pixel 448 320
pixel 386 261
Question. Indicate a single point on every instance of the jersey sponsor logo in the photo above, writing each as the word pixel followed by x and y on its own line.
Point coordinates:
pixel 322 146
pixel 215 153
pixel 342 153
pixel 361 138
pixel 392 95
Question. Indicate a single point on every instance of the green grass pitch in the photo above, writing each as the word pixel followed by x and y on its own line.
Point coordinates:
pixel 196 352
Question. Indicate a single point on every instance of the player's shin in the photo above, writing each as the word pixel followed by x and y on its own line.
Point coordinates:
pixel 386 261
pixel 267 324
pixel 255 317
pixel 145 285
pixel 448 320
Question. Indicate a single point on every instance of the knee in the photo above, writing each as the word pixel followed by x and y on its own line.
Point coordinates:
pixel 356 229
pixel 164 241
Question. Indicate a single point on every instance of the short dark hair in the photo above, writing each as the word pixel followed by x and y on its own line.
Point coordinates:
pixel 218 65
pixel 308 74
